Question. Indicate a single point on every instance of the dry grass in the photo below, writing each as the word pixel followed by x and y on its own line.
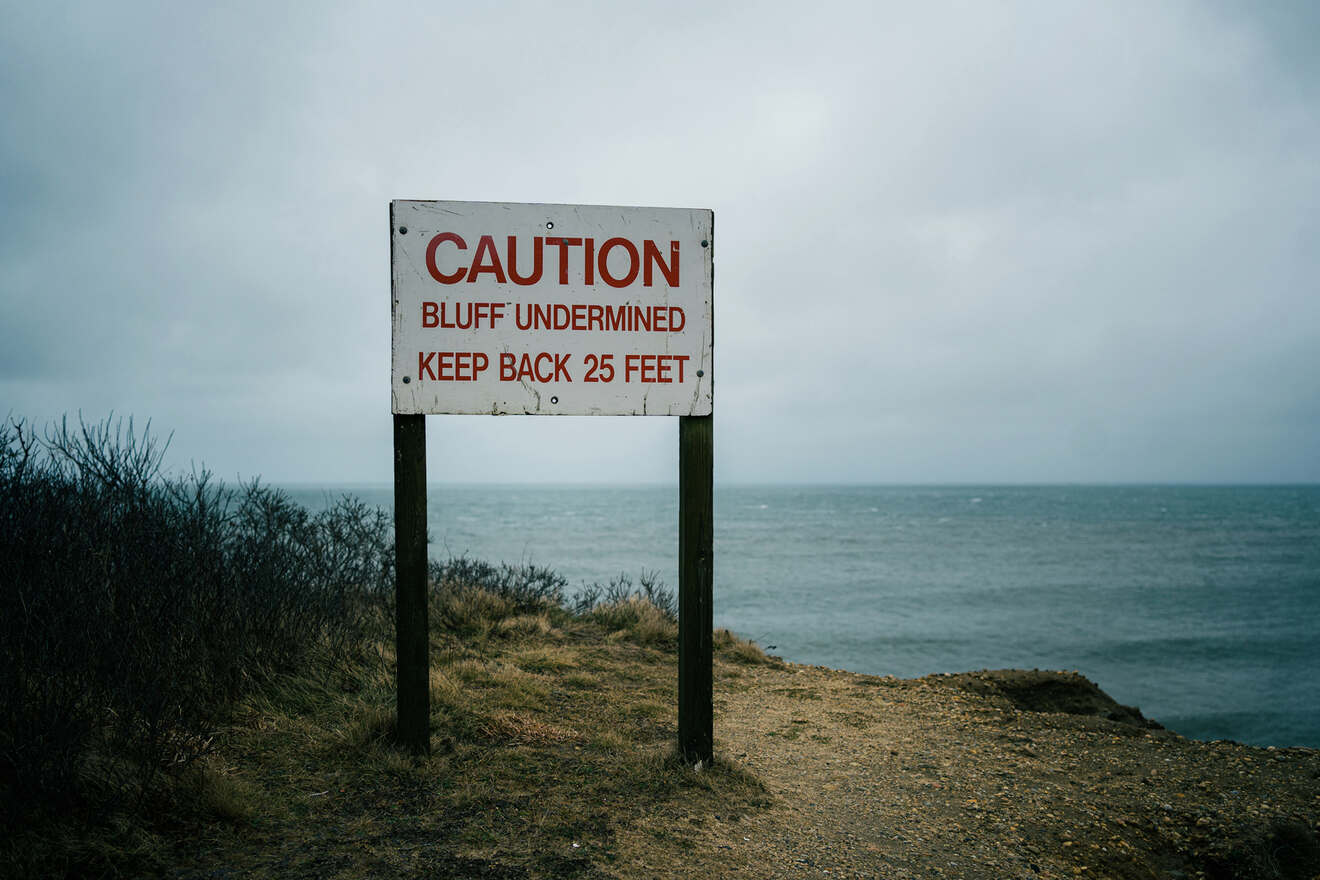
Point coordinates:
pixel 524 625
pixel 525 729
pixel 552 742
pixel 222 793
pixel 546 659
pixel 739 650
pixel 636 619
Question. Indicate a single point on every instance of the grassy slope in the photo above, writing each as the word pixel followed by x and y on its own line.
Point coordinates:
pixel 553 737
pixel 554 757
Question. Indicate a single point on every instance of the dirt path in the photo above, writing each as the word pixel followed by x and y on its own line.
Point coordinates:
pixel 947 777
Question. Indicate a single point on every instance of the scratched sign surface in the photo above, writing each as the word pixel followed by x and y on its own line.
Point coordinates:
pixel 551 309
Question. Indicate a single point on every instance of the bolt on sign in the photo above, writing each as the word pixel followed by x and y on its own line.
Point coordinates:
pixel 551 309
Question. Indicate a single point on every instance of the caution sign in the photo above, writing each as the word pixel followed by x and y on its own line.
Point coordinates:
pixel 551 309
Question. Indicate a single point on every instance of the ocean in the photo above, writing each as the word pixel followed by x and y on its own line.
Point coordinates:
pixel 1199 604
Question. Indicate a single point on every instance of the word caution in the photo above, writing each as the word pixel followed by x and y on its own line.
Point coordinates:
pixel 617 261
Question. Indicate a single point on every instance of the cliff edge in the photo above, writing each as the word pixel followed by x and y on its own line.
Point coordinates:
pixel 1006 773
pixel 554 757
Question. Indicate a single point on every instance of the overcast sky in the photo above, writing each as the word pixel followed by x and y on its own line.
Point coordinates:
pixel 980 242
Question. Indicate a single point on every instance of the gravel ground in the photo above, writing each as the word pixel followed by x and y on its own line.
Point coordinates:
pixel 1005 774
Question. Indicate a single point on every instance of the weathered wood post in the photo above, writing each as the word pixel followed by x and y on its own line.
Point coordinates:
pixel 412 629
pixel 696 560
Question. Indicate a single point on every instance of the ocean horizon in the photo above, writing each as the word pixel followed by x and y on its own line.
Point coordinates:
pixel 1196 602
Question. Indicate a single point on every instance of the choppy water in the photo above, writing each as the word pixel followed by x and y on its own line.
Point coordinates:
pixel 1199 604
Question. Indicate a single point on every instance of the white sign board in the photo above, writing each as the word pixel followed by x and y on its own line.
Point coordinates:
pixel 551 309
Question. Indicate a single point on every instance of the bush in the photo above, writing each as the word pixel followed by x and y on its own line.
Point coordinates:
pixel 650 590
pixel 471 598
pixel 525 587
pixel 134 608
pixel 641 620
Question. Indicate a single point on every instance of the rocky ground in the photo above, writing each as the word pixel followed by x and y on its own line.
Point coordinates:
pixel 993 774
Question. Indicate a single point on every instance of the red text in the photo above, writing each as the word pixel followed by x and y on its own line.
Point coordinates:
pixel 616 261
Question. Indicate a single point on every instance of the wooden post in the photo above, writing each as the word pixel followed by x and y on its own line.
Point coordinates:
pixel 412 630
pixel 696 565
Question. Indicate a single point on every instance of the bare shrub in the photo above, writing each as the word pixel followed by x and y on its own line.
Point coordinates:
pixel 649 589
pixel 527 587
pixel 134 608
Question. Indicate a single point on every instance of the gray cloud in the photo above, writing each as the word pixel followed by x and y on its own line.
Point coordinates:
pixel 954 242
